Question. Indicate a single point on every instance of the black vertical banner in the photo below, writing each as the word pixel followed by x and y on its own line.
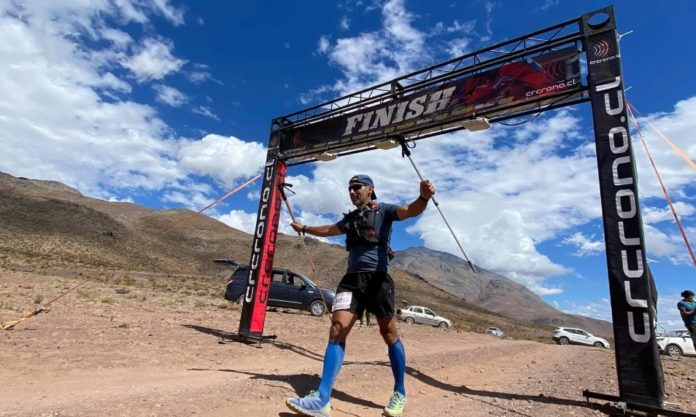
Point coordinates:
pixel 638 364
pixel 263 249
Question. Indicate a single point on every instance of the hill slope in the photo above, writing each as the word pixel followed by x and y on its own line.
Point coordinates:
pixel 489 290
pixel 47 225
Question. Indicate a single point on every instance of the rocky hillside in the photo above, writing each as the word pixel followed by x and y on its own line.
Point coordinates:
pixel 489 290
pixel 49 226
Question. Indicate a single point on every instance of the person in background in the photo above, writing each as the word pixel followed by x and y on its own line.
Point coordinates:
pixel 687 309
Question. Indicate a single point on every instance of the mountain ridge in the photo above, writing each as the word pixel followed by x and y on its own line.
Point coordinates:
pixel 489 290
pixel 50 225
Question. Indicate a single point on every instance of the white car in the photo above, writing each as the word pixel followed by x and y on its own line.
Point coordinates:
pixel 495 331
pixel 422 315
pixel 676 343
pixel 568 335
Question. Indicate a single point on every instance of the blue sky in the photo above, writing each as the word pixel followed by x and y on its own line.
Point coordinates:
pixel 168 104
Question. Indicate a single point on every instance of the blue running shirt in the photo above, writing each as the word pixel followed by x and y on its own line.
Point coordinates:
pixel 369 257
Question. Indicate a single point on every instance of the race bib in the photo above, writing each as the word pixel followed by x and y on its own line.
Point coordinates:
pixel 342 301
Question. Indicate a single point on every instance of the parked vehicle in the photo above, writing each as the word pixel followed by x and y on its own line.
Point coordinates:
pixel 495 331
pixel 288 289
pixel 676 343
pixel 422 315
pixel 570 335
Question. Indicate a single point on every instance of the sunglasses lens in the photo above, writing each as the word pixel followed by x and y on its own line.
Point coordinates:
pixel 355 187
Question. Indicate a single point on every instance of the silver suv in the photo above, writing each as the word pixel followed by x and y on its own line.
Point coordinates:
pixel 568 335
pixel 422 315
pixel 495 331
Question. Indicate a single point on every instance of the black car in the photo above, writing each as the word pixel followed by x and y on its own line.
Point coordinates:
pixel 288 289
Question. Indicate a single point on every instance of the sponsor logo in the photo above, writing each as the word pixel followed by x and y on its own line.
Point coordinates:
pixel 556 87
pixel 601 49
pixel 625 210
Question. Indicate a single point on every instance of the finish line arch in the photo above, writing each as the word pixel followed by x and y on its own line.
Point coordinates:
pixel 537 72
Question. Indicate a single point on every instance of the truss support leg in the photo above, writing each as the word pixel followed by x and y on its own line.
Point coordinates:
pixel 622 408
pixel 250 340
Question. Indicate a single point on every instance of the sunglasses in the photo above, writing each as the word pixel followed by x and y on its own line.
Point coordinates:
pixel 355 187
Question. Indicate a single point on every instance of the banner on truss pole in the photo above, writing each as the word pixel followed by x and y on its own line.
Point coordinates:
pixel 512 84
pixel 263 249
pixel 631 288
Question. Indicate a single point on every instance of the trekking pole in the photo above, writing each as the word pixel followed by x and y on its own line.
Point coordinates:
pixel 407 153
pixel 304 245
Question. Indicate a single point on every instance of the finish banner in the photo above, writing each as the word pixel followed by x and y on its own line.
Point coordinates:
pixel 515 84
pixel 633 297
pixel 262 251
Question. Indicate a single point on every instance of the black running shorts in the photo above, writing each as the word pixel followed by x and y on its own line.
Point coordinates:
pixel 371 291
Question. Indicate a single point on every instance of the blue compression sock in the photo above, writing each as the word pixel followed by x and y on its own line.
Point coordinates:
pixel 333 359
pixel 397 358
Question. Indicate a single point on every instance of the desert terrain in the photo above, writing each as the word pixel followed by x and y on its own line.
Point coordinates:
pixel 138 344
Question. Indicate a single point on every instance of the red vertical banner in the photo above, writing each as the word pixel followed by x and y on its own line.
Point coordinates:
pixel 262 251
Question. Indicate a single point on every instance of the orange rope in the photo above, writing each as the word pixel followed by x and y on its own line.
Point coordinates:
pixel 247 182
pixel 679 152
pixel 11 324
pixel 664 190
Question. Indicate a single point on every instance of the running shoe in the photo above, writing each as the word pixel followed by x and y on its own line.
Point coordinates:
pixel 396 405
pixel 309 405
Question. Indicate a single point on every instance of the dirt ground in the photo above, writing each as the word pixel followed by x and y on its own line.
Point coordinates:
pixel 124 347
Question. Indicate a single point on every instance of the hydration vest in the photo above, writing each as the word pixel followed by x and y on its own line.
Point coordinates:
pixel 360 228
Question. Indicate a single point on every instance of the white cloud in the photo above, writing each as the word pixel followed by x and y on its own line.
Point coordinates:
pixel 153 61
pixel 670 245
pixel 653 215
pixel 600 310
pixel 667 314
pixel 677 126
pixel 396 48
pixel 344 23
pixel 239 220
pixel 205 111
pixel 227 159
pixel 169 95
pixel 456 27
pixel 56 126
pixel 171 13
pixel 199 74
pixel 549 4
pixel 119 38
pixel 192 200
pixel 61 117
pixel 490 6
pixel 458 47
pixel 372 57
pixel 585 245
pixel 323 45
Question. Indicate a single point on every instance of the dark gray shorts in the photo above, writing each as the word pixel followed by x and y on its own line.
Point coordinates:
pixel 371 291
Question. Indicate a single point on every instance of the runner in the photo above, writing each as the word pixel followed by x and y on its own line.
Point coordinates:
pixel 365 286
